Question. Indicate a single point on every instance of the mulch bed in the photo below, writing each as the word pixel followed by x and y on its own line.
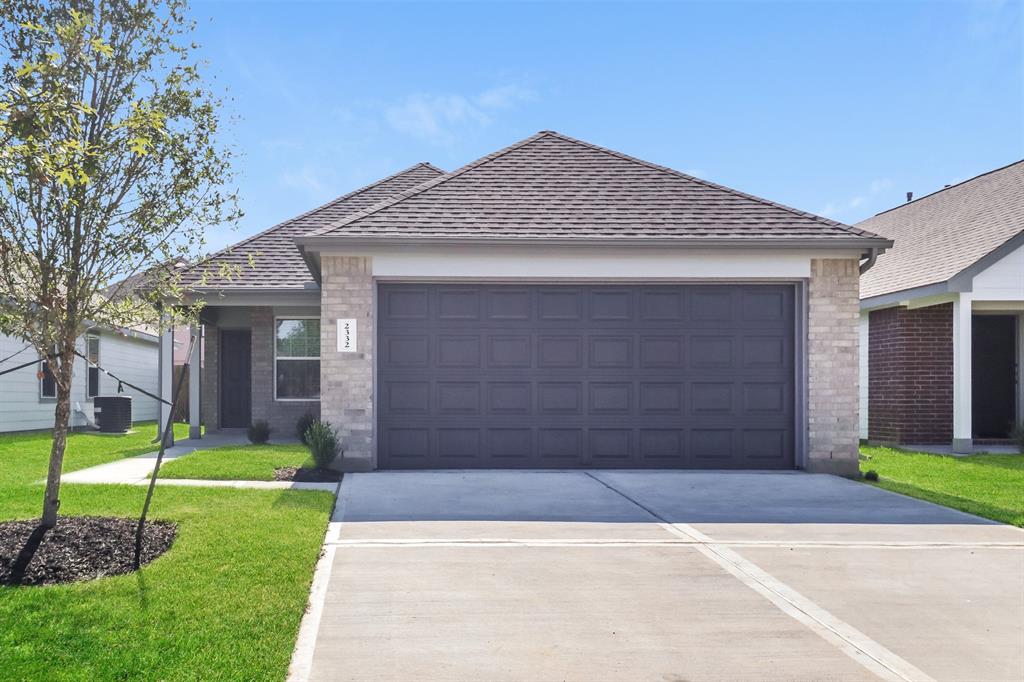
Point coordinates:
pixel 77 548
pixel 304 475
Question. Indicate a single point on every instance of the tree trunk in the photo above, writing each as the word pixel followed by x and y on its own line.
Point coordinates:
pixel 61 417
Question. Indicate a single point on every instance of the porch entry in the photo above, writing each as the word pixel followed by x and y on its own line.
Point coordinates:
pixel 235 378
pixel 994 375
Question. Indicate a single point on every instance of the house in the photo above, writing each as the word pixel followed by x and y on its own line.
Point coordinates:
pixel 942 317
pixel 551 305
pixel 28 396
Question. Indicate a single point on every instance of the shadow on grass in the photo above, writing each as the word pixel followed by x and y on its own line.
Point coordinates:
pixel 989 511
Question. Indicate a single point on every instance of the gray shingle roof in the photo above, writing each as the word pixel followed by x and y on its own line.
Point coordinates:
pixel 942 234
pixel 276 263
pixel 550 186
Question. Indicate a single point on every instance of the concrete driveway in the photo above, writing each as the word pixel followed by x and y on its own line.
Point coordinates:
pixel 658 576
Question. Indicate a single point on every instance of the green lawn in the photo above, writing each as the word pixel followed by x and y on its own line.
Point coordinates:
pixel 238 463
pixel 987 485
pixel 223 603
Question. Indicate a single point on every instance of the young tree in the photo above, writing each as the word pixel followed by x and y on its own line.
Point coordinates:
pixel 110 166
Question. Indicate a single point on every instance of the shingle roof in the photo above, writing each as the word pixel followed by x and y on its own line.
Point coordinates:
pixel 276 263
pixel 941 234
pixel 550 186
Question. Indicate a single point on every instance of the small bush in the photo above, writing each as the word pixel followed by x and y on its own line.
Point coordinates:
pixel 301 426
pixel 259 432
pixel 1017 435
pixel 871 475
pixel 322 441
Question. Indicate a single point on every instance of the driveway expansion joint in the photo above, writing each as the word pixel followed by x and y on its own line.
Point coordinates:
pixel 867 652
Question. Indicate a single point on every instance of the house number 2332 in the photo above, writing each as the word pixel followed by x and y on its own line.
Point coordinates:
pixel 346 336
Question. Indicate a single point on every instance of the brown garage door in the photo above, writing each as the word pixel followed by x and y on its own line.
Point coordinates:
pixel 566 376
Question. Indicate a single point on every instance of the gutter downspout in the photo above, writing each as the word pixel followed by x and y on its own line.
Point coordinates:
pixel 870 262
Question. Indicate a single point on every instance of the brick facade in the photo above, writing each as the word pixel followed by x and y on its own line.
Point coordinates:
pixel 833 310
pixel 346 379
pixel 281 415
pixel 210 395
pixel 910 375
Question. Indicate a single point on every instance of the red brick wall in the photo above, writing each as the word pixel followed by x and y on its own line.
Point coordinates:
pixel 910 375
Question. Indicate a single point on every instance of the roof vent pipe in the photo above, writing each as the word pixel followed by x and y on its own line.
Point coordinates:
pixel 910 196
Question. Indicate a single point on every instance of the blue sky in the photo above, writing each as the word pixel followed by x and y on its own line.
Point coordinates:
pixel 835 108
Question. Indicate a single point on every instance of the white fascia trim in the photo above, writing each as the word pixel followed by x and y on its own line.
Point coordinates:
pixel 521 264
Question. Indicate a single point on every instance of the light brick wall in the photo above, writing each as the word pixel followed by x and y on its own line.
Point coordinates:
pixel 281 415
pixel 210 398
pixel 833 376
pixel 346 379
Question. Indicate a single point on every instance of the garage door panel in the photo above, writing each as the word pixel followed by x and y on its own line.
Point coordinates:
pixel 674 376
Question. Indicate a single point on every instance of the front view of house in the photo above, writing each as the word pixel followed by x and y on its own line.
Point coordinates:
pixel 552 305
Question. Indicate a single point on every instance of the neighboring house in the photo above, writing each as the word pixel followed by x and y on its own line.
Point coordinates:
pixel 942 316
pixel 552 305
pixel 28 396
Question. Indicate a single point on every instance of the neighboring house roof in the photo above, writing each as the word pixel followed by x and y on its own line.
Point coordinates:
pixel 276 264
pixel 944 233
pixel 550 187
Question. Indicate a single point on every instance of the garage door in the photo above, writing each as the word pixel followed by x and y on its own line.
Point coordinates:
pixel 567 376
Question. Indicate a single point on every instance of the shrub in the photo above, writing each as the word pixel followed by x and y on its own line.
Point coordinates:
pixel 871 475
pixel 322 441
pixel 301 426
pixel 1017 435
pixel 259 432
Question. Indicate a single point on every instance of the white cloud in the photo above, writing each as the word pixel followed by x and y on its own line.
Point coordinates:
pixel 504 97
pixel 437 117
pixel 841 209
pixel 306 180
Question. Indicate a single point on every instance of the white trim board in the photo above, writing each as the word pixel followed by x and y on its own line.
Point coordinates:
pixel 646 264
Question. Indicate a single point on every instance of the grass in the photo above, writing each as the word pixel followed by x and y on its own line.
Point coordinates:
pixel 223 603
pixel 24 458
pixel 986 485
pixel 238 463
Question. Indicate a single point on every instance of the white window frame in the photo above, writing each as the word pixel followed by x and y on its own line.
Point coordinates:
pixel 42 396
pixel 319 358
pixel 89 365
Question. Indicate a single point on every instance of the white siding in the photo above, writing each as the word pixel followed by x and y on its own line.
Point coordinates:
pixel 134 360
pixel 1003 280
pixel 21 408
pixel 864 329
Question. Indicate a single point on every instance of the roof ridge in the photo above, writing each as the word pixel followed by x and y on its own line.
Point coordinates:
pixel 332 202
pixel 943 189
pixel 714 185
pixel 418 189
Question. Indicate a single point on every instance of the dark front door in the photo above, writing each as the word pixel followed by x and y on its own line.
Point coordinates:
pixel 235 378
pixel 568 376
pixel 994 375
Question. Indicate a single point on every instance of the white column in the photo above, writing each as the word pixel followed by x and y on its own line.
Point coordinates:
pixel 962 419
pixel 166 373
pixel 194 384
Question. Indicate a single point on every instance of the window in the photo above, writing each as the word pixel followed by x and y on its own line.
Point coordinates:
pixel 92 352
pixel 297 359
pixel 47 384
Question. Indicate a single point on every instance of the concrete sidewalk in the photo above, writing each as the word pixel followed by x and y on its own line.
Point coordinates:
pixel 508 575
pixel 136 470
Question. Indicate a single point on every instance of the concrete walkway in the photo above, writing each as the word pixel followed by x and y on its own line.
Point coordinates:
pixel 136 470
pixel 657 576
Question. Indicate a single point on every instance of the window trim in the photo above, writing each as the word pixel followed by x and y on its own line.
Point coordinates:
pixel 43 362
pixel 319 358
pixel 89 335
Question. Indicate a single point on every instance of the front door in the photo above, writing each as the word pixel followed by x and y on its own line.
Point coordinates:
pixel 235 378
pixel 994 375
